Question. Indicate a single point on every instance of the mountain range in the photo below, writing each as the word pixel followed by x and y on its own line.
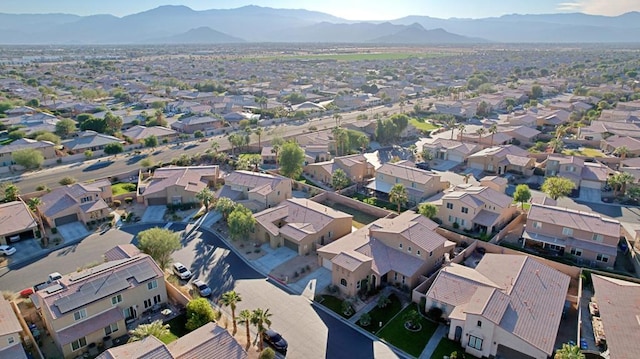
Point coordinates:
pixel 180 24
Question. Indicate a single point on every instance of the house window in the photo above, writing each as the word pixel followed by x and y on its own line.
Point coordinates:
pixel 576 252
pixel 479 323
pixel 81 314
pixel 329 234
pixel 451 219
pixel 462 222
pixel 278 193
pixel 79 343
pixel 449 205
pixel 116 299
pixel 537 225
pixel 400 245
pixel 11 340
pixel 403 279
pixel 418 252
pixel 157 299
pixel 111 329
pixel 343 282
pixel 397 180
pixel 413 185
pixel 358 285
pixel 430 253
pixel 602 258
pixel 567 231
pixel 475 342
pixel 409 249
pixel 464 210
pixel 147 303
pixel 395 276
pixel 152 285
pixel 554 247
pixel 597 237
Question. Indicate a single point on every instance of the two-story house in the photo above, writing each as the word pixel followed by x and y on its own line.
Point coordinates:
pixel 10 333
pixel 569 167
pixel 475 208
pixel 254 190
pixel 356 167
pixel 301 224
pixel 87 306
pixel 48 150
pixel 502 159
pixel 508 306
pixel 176 185
pixel 419 183
pixel 589 237
pixel 84 202
pixel 388 251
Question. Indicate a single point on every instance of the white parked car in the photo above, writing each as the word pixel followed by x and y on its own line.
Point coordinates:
pixel 7 250
pixel 181 271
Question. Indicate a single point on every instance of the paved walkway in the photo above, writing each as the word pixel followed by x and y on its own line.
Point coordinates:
pixel 428 350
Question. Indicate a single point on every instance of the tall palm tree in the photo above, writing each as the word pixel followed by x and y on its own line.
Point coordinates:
pixel 261 319
pixel 275 149
pixel 231 299
pixel 398 195
pixel 623 179
pixel 215 145
pixel 481 131
pixel 157 329
pixel 340 136
pixel 561 131
pixel 205 196
pixel 493 130
pixel 33 204
pixel 244 317
pixel 363 142
pixel 338 119
pixel 622 151
pixel 452 125
pixel 258 132
pixel 556 145
pixel 461 128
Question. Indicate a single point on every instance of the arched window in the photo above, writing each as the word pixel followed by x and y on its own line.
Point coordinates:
pixel 343 282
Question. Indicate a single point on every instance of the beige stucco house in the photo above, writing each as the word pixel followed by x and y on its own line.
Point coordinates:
pixel 589 237
pixel 502 159
pixel 396 251
pixel 48 150
pixel 254 190
pixel 176 185
pixel 450 150
pixel 87 306
pixel 10 333
pixel 508 306
pixel 84 202
pixel 301 224
pixel 420 184
pixel 356 167
pixel 139 133
pixel 17 222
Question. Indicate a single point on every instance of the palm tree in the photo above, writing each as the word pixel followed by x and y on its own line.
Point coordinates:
pixel 619 182
pixel 260 318
pixel 461 128
pixel 33 204
pixel 244 317
pixel 561 131
pixel 556 145
pixel 452 125
pixel 493 130
pixel 205 196
pixel 339 135
pixel 622 151
pixel 11 193
pixel 215 145
pixel 157 329
pixel 363 142
pixel 258 132
pixel 481 131
pixel 569 351
pixel 275 149
pixel 338 119
pixel 398 195
pixel 230 299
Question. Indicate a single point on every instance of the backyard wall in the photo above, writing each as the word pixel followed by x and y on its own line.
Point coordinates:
pixel 175 295
pixel 513 225
pixel 26 334
pixel 352 203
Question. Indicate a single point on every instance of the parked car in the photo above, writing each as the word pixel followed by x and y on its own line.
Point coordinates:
pixel 202 288
pixel 54 277
pixel 7 250
pixel 423 166
pixel 275 340
pixel 181 271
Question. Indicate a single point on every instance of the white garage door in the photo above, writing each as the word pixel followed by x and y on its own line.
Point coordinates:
pixel 476 165
pixel 327 263
pixel 455 157
pixel 590 184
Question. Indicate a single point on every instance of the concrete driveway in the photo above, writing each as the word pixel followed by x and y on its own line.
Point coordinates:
pixel 154 214
pixel 273 258
pixel 313 283
pixel 25 249
pixel 444 165
pixel 72 232
pixel 590 195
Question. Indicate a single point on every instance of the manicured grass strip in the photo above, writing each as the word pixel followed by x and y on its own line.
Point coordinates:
pixel 334 304
pixel 422 125
pixel 411 342
pixel 446 347
pixel 383 315
pixel 122 188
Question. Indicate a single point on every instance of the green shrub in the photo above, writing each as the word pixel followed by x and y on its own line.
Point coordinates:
pixel 54 230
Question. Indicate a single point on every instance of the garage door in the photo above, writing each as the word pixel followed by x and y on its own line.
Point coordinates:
pixel 455 157
pixel 476 165
pixel 291 245
pixel 156 201
pixel 327 263
pixel 591 184
pixel 66 219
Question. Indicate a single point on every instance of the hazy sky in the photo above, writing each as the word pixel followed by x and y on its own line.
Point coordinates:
pixel 349 9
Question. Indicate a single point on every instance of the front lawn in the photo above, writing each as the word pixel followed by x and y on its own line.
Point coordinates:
pixel 383 315
pixel 378 202
pixel 446 347
pixel 334 303
pixel 411 342
pixel 587 152
pixel 122 188
pixel 422 125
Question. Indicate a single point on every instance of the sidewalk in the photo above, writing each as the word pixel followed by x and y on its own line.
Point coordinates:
pixel 431 346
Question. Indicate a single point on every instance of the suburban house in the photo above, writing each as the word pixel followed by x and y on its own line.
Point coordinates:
pixel 138 133
pixel 17 222
pixel 590 238
pixel 324 138
pixel 599 130
pixel 450 150
pixel 420 184
pixel 10 333
pixel 475 208
pixel 31 123
pixel 268 155
pixel 209 341
pixel 508 306
pixel 301 224
pixel 494 182
pixel 502 159
pixel 356 167
pixel 90 140
pixel 95 305
pixel 316 153
pixel 614 315
pixel 499 138
pixel 569 167
pixel 610 144
pixel 390 251
pixel 48 150
pixel 84 202
pixel 176 185
pixel 254 190
pixel 524 134
pixel 197 123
